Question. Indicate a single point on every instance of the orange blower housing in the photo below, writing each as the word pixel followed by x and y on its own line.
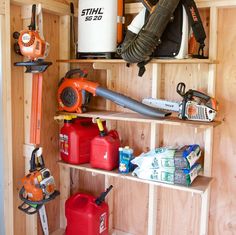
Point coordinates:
pixel 70 96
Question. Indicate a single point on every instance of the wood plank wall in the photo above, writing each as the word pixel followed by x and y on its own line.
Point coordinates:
pixel 178 213
pixel 18 120
pixel 223 203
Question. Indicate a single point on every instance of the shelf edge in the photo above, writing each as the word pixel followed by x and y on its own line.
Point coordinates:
pixel 136 179
pixel 158 61
pixel 136 117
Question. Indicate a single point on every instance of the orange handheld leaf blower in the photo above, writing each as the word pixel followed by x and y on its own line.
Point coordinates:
pixel 71 99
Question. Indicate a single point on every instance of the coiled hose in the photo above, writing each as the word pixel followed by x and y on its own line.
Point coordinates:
pixel 137 48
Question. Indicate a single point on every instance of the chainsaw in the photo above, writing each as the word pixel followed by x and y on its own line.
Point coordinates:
pixel 71 97
pixel 195 106
pixel 38 188
pixel 31 44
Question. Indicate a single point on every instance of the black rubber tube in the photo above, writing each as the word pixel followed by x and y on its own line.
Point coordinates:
pixel 139 47
pixel 130 103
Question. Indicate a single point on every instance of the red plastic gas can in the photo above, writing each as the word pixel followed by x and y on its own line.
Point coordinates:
pixel 105 151
pixel 85 217
pixel 75 138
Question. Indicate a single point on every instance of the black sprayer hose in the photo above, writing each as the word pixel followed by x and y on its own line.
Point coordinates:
pixel 130 103
pixel 138 47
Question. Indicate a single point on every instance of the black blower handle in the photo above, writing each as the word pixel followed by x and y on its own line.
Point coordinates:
pixel 71 72
pixel 99 200
pixel 81 73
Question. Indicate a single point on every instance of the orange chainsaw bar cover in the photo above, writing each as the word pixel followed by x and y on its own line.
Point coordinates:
pixel 31 45
pixel 77 85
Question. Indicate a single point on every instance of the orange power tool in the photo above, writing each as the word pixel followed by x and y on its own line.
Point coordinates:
pixel 71 96
pixel 38 186
pixel 31 45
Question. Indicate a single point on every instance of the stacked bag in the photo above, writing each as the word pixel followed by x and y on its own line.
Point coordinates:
pixel 169 165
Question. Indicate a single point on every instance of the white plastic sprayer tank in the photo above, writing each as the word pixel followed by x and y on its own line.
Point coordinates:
pixel 97 26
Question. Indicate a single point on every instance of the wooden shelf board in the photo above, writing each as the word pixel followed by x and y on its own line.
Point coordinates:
pixel 199 186
pixel 158 61
pixel 136 117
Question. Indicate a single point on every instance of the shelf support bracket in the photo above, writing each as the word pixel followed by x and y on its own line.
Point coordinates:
pixel 111 77
pixel 154 139
pixel 204 217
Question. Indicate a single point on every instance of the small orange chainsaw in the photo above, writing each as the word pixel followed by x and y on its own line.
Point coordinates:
pixel 38 186
pixel 195 106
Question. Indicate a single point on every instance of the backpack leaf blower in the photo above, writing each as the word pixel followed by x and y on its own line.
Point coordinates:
pixel 139 47
pixel 70 96
pixel 161 30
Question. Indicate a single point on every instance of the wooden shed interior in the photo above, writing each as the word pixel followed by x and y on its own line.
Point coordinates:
pixel 137 207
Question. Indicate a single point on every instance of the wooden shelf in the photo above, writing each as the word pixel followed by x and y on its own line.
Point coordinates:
pixel 158 61
pixel 199 186
pixel 136 117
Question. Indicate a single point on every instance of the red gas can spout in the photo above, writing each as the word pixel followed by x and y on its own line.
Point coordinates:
pixel 99 200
